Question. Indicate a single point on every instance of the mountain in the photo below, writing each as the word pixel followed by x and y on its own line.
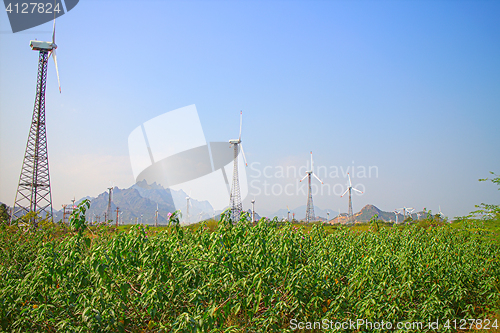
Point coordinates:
pixel 133 208
pixel 368 211
pixel 198 210
pixel 257 216
pixel 138 204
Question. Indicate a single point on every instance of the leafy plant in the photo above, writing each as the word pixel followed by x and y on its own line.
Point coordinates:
pixel 77 220
pixel 4 214
pixel 242 277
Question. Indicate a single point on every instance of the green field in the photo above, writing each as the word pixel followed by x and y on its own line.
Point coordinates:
pixel 245 278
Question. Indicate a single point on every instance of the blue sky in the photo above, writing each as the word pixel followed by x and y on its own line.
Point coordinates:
pixel 410 87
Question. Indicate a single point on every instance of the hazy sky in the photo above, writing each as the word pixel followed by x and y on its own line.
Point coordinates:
pixel 408 88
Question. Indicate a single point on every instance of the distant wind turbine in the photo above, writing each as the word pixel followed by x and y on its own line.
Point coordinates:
pixel 310 206
pixel 349 189
pixel 187 207
pixel 405 211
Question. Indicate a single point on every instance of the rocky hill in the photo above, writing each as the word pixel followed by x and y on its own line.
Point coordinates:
pixel 368 211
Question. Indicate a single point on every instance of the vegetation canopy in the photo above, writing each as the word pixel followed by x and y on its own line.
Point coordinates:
pixel 243 277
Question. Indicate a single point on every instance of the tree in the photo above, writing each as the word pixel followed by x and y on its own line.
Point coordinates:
pixel 488 211
pixel 4 214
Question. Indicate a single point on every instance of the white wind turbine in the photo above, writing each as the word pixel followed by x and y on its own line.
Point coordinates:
pixel 410 211
pixel 188 203
pixel 405 210
pixel 396 212
pixel 235 199
pixel 349 189
pixel 310 206
pixel 156 216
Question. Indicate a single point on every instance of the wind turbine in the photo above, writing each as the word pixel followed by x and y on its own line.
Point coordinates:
pixel 253 210
pixel 440 213
pixel 405 211
pixel 110 198
pixel 310 206
pixel 187 208
pixel 349 189
pixel 235 198
pixel 33 191
pixel 156 216
pixel 288 213
pixel 410 211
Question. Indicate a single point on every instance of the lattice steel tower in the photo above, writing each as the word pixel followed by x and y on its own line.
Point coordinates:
pixel 310 206
pixel 350 213
pixel 235 198
pixel 33 192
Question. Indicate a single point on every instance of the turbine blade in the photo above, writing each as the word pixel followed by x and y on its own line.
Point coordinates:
pixel 357 190
pixel 312 168
pixel 241 121
pixel 304 177
pixel 345 192
pixel 54 30
pixel 348 176
pixel 57 69
pixel 244 158
pixel 317 178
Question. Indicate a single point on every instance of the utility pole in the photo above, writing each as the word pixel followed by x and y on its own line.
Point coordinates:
pixel 64 213
pixel 109 202
pixel 156 216
pixel 253 211
pixel 117 210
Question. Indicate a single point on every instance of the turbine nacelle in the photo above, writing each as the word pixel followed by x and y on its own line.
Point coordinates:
pixel 349 188
pixel 311 172
pixel 42 46
pixel 238 141
pixel 49 47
